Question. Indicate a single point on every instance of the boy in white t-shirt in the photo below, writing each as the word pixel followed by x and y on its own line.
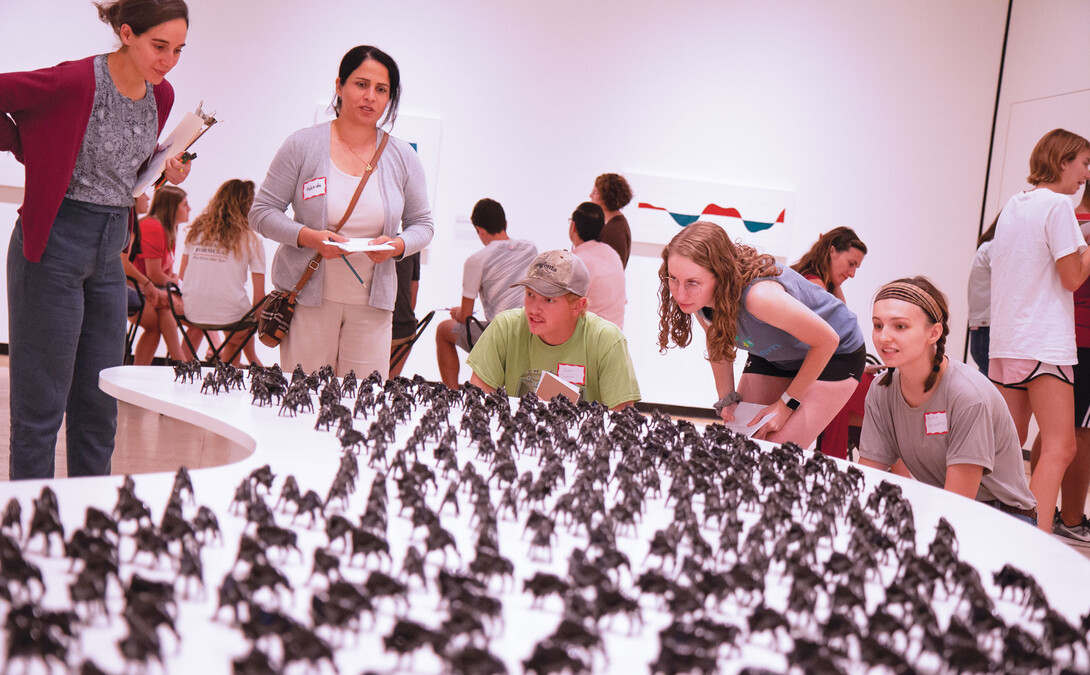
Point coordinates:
pixel 488 273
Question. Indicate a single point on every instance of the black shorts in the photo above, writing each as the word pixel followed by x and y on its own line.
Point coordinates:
pixel 1082 389
pixel 840 367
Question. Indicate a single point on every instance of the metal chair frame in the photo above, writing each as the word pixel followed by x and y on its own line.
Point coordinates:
pixel 402 350
pixel 247 324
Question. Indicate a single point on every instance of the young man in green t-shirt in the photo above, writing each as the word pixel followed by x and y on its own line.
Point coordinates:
pixel 554 332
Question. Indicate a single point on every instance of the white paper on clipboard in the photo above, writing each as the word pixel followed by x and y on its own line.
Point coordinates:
pixel 172 146
pixel 358 245
pixel 743 414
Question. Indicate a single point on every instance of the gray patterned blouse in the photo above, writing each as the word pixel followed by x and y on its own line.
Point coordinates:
pixel 121 134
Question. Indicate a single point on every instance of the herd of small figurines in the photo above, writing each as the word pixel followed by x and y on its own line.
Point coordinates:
pixel 782 551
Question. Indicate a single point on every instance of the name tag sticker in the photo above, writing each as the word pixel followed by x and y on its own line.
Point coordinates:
pixel 314 188
pixel 935 423
pixel 573 374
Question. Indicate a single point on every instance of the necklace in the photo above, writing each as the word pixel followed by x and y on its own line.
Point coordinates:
pixel 366 164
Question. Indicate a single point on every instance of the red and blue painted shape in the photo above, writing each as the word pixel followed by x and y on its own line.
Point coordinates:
pixel 683 219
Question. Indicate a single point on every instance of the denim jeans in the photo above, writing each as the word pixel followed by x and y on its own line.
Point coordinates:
pixel 979 344
pixel 66 323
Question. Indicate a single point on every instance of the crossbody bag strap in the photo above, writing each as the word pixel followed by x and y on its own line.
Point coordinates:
pixel 312 266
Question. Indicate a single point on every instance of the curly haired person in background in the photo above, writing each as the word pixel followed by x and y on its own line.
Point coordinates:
pixel 220 248
pixel 612 193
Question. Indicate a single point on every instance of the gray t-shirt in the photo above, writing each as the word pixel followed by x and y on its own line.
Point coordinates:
pixel 965 421
pixel 782 348
pixel 121 134
pixel 491 271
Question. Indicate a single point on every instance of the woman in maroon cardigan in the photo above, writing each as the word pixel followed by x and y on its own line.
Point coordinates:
pixel 82 129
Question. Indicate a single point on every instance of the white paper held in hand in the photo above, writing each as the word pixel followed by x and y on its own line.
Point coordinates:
pixel 172 146
pixel 742 416
pixel 360 245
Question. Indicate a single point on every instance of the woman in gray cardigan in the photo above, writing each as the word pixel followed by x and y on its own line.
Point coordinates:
pixel 345 311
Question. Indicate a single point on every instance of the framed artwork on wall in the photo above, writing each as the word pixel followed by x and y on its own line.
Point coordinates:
pixel 660 206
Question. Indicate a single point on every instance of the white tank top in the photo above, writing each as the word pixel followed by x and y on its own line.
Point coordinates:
pixel 366 222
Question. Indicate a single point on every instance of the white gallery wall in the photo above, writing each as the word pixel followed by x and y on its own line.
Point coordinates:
pixel 1046 84
pixel 874 114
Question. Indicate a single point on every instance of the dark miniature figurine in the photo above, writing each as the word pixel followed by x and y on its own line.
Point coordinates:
pixel 550 657
pixel 408 636
pixel 289 493
pixel 13 517
pixel 476 661
pixel 276 537
pixel 45 521
pixel 206 525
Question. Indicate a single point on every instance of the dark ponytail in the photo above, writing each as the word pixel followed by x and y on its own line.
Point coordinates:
pixel 353 59
pixel 141 15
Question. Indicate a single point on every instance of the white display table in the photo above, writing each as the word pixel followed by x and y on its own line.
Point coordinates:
pixel 988 539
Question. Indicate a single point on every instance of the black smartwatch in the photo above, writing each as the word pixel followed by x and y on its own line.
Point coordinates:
pixel 792 403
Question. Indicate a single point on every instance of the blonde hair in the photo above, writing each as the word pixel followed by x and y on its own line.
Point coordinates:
pixel 734 266
pixel 225 223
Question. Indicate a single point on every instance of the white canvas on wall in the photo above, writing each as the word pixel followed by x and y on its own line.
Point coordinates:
pixel 661 206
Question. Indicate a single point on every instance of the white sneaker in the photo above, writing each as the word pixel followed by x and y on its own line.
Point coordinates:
pixel 1079 535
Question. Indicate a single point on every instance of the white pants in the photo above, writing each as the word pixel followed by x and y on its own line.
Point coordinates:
pixel 347 337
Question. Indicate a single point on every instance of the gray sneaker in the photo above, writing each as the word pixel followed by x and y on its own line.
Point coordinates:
pixel 1078 535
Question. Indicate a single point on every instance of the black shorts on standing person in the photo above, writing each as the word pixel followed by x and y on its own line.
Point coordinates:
pixel 404 322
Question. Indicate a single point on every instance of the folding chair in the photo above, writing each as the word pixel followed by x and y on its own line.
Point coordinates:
pixel 402 350
pixel 247 325
pixel 470 322
pixel 134 310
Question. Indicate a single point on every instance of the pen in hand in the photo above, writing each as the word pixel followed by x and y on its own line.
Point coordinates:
pixel 186 158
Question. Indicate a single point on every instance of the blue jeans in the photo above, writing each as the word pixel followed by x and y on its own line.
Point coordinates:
pixel 979 343
pixel 66 323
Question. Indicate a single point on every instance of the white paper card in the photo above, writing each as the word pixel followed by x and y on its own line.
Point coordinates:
pixel 314 188
pixel 742 416
pixel 359 245
pixel 936 423
pixel 573 374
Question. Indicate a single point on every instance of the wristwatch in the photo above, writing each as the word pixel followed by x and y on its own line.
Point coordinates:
pixel 792 403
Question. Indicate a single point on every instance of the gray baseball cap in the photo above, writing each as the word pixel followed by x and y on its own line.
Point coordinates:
pixel 554 273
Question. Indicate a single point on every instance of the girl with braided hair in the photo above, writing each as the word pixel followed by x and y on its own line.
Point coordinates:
pixel 806 351
pixel 944 419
